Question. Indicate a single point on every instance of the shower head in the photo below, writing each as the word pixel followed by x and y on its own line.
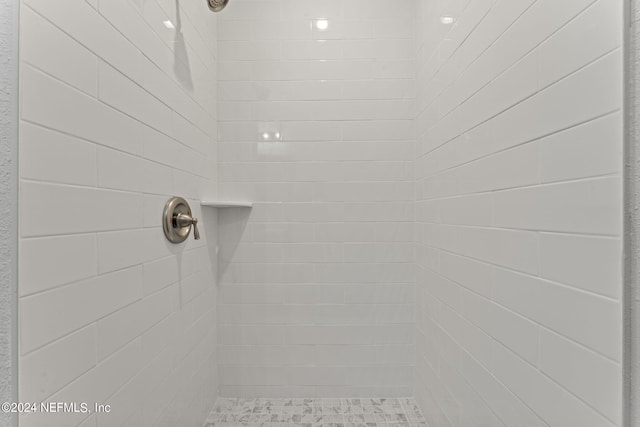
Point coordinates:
pixel 217 5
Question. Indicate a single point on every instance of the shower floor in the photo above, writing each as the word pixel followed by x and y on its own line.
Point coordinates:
pixel 379 412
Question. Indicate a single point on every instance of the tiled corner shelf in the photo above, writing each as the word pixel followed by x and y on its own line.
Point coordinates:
pixel 225 204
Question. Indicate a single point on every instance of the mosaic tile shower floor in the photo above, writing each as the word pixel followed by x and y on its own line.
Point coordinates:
pixel 379 412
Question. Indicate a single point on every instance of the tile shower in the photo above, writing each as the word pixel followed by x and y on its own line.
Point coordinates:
pixel 435 235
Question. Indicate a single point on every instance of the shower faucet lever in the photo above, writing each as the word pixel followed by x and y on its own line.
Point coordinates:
pixel 185 220
pixel 177 220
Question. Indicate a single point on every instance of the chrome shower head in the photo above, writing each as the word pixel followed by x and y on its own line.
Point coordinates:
pixel 217 5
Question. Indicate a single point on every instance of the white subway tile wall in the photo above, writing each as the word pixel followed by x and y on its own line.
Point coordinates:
pixel 316 108
pixel 519 209
pixel 118 112
pixel 437 207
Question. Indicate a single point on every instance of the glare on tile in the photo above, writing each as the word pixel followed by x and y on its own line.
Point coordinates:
pixel 447 19
pixel 322 24
pixel 271 136
pixel 169 24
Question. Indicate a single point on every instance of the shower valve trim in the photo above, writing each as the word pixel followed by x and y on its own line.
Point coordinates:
pixel 177 221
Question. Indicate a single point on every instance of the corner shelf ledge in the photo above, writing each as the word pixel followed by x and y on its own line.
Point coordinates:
pixel 225 204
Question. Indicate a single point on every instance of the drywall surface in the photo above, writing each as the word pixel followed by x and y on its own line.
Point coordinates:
pixel 8 199
pixel 118 113
pixel 316 127
pixel 632 344
pixel 519 212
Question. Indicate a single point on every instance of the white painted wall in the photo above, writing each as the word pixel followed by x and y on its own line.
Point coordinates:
pixel 317 295
pixel 8 203
pixel 632 219
pixel 118 112
pixel 519 209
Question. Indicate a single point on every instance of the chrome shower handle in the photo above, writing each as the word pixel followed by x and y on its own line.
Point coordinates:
pixel 217 5
pixel 177 220
pixel 185 220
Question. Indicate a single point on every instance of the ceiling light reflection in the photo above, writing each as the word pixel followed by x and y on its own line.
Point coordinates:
pixel 447 19
pixel 322 24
